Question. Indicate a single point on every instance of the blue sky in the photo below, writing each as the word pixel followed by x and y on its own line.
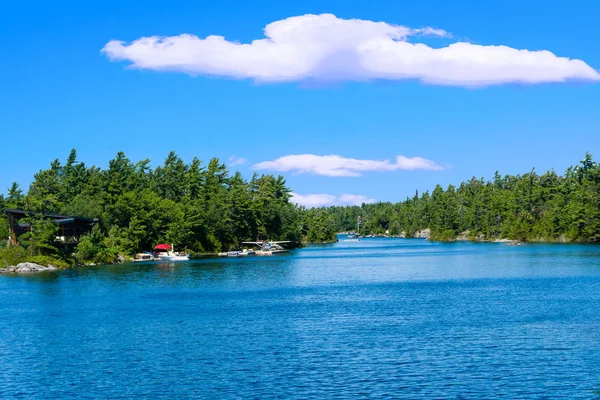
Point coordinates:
pixel 59 91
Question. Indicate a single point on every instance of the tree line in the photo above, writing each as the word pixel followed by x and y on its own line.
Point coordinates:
pixel 528 207
pixel 205 208
pixel 201 207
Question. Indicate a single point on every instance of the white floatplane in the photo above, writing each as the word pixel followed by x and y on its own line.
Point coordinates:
pixel 268 248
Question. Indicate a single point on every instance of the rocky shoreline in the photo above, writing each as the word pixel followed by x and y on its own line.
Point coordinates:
pixel 27 268
pixel 463 237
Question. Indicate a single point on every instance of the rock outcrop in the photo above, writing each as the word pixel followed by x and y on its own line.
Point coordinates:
pixel 423 234
pixel 27 268
pixel 464 236
pixel 509 242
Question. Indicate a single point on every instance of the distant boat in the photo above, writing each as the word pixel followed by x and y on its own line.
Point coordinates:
pixel 354 237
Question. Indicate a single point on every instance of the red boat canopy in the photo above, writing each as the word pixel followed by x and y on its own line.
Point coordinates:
pixel 163 246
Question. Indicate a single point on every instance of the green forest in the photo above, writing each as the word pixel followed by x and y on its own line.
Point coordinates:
pixel 529 207
pixel 205 208
pixel 201 207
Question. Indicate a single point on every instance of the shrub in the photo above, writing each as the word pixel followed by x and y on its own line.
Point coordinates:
pixel 94 248
pixel 12 255
pixel 49 260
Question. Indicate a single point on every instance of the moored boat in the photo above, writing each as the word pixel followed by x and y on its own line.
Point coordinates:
pixel 354 237
pixel 143 257
pixel 169 255
pixel 237 253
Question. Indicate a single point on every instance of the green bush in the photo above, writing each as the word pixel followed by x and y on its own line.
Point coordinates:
pixel 48 260
pixel 3 229
pixel 94 248
pixel 443 235
pixel 12 255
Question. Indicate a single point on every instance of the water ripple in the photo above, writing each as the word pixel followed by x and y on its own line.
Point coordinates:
pixel 385 319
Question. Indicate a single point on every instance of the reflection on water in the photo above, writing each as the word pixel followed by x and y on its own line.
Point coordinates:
pixel 382 318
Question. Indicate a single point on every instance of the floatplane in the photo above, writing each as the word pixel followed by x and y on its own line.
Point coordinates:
pixel 265 248
pixel 268 248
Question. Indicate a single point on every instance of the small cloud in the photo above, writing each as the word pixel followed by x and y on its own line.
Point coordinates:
pixel 233 161
pixel 335 165
pixel 313 200
pixel 326 200
pixel 327 48
pixel 429 31
pixel 354 199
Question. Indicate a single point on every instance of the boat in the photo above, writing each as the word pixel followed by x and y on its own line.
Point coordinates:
pixel 268 248
pixel 167 253
pixel 237 253
pixel 354 237
pixel 171 256
pixel 143 257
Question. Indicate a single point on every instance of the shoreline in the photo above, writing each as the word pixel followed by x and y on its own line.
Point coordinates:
pixel 426 234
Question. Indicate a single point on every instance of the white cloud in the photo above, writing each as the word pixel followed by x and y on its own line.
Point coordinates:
pixel 233 161
pixel 324 47
pixel 334 165
pixel 313 200
pixel 325 200
pixel 354 199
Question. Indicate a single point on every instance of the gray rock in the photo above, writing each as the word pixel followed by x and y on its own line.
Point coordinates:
pixel 121 259
pixel 464 236
pixel 28 268
pixel 423 234
pixel 509 242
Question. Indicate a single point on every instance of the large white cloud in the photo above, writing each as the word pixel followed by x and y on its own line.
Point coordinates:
pixel 335 165
pixel 324 47
pixel 324 200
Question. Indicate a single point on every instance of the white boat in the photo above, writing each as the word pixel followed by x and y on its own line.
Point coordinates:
pixel 143 257
pixel 354 237
pixel 238 253
pixel 167 254
pixel 170 256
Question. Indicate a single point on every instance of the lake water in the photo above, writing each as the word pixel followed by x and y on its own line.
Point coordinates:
pixel 379 318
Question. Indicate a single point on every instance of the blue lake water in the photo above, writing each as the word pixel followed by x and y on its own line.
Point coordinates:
pixel 379 318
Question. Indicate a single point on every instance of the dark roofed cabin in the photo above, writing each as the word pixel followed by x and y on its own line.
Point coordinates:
pixel 70 229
